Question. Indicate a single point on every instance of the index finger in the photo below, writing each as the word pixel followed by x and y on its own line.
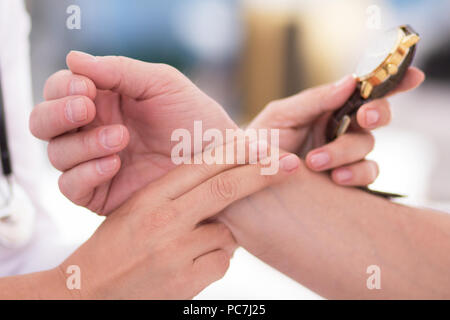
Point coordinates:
pixel 218 192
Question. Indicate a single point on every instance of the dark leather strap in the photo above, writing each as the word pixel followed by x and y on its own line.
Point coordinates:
pixel 356 101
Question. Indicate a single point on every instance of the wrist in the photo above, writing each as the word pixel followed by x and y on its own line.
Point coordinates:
pixel 44 285
pixel 67 292
pixel 76 277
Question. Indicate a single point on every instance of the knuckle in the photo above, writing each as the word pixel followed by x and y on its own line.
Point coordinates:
pixel 171 79
pixel 159 218
pixel 273 108
pixel 272 105
pixel 121 61
pixel 122 64
pixel 203 169
pixel 223 187
pixel 170 70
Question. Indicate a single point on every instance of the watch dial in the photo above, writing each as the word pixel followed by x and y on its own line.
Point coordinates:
pixel 377 51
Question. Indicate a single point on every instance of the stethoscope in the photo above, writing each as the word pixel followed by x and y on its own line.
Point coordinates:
pixel 7 194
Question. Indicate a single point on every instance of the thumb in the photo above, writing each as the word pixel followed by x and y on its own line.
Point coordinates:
pixel 133 78
pixel 305 107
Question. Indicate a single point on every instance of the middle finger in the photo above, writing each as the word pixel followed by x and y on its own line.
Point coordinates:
pixel 346 149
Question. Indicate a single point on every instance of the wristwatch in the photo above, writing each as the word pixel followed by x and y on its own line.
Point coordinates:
pixel 381 69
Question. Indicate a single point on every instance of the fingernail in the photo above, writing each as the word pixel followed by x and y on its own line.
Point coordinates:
pixel 84 55
pixel 76 110
pixel 111 137
pixel 319 160
pixel 78 87
pixel 343 175
pixel 372 117
pixel 106 165
pixel 289 162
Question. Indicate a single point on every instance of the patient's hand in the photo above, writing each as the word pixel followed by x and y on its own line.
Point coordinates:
pixel 109 121
pixel 302 121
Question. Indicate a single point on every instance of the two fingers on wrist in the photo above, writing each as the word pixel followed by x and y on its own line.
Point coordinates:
pixel 344 157
pixel 202 190
pixel 193 193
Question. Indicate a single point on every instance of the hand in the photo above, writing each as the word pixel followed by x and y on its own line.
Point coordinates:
pixel 326 237
pixel 109 122
pixel 302 121
pixel 157 245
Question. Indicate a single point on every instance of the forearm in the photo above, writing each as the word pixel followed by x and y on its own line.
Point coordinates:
pixel 46 285
pixel 325 237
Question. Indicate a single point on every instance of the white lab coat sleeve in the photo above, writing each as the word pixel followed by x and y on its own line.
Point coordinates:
pixel 28 154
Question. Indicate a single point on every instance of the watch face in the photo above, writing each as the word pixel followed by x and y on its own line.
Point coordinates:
pixel 378 50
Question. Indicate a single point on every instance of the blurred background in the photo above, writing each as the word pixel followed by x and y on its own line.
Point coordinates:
pixel 245 53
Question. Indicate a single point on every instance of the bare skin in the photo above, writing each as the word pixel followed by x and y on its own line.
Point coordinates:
pixel 326 240
pixel 135 106
pixel 308 234
pixel 158 244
